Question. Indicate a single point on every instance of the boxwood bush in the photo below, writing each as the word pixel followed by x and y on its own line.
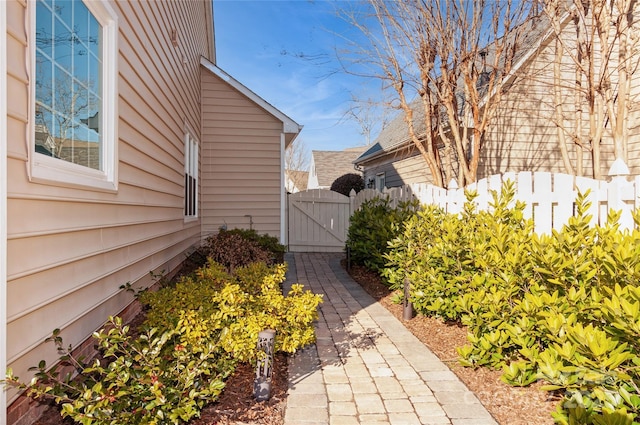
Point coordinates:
pixel 348 182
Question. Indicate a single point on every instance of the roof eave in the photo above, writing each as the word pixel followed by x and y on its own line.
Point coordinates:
pixel 384 151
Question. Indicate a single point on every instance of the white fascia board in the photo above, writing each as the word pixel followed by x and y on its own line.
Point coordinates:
pixel 289 126
pixel 211 31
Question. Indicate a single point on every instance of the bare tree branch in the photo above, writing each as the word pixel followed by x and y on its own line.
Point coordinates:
pixel 446 61
pixel 598 40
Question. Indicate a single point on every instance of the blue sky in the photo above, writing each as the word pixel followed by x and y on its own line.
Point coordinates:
pixel 284 51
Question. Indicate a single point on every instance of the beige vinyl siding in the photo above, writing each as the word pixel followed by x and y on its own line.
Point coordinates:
pixel 241 171
pixel 69 250
pixel 633 152
pixel 411 170
pixel 398 173
pixel 524 137
pixel 403 167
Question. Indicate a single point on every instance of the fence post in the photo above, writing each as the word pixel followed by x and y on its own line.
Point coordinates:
pixel 352 202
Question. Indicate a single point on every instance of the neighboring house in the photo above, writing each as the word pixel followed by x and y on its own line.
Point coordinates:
pixel 164 150
pixel 296 180
pixel 522 136
pixel 392 160
pixel 327 166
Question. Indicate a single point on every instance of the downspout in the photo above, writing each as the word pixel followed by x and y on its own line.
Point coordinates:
pixel 283 194
pixel 3 205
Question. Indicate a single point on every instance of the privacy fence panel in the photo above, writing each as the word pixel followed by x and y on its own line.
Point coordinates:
pixel 549 197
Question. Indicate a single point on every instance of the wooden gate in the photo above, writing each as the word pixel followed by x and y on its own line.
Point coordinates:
pixel 318 221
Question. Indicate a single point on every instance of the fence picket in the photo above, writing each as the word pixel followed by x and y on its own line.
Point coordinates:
pixel 524 189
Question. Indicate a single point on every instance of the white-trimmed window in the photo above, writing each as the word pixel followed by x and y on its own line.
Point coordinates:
pixel 190 176
pixel 74 92
pixel 380 182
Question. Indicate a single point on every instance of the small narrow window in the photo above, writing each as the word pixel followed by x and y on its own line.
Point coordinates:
pixel 190 176
pixel 380 182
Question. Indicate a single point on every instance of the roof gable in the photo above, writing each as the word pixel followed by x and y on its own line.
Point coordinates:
pixel 289 126
pixel 298 179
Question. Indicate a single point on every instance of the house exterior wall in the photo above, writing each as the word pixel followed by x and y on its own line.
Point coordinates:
pixel 524 136
pixel 241 169
pixel 406 167
pixel 633 152
pixel 70 249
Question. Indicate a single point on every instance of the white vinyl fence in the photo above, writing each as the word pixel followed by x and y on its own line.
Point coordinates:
pixel 549 197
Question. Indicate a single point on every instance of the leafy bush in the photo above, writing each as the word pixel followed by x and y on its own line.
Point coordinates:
pixel 157 378
pixel 345 183
pixel 194 334
pixel 563 308
pixel 233 249
pixel 446 256
pixel 372 226
pixel 238 307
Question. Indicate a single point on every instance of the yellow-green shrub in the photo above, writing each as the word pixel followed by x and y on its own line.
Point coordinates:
pixel 237 307
pixel 195 333
pixel 446 257
pixel 564 308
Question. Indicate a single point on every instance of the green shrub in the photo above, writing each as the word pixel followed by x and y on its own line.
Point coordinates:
pixel 371 228
pixel 157 378
pixel 563 308
pixel 347 182
pixel 194 334
pixel 447 256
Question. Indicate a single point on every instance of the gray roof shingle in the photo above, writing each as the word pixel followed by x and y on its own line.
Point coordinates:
pixel 332 164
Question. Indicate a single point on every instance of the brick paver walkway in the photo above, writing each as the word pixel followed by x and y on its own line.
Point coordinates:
pixel 366 367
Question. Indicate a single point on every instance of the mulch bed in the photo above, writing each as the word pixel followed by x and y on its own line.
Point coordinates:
pixel 237 405
pixel 509 405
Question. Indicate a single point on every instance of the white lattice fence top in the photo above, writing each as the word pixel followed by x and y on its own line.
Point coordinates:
pixel 549 197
